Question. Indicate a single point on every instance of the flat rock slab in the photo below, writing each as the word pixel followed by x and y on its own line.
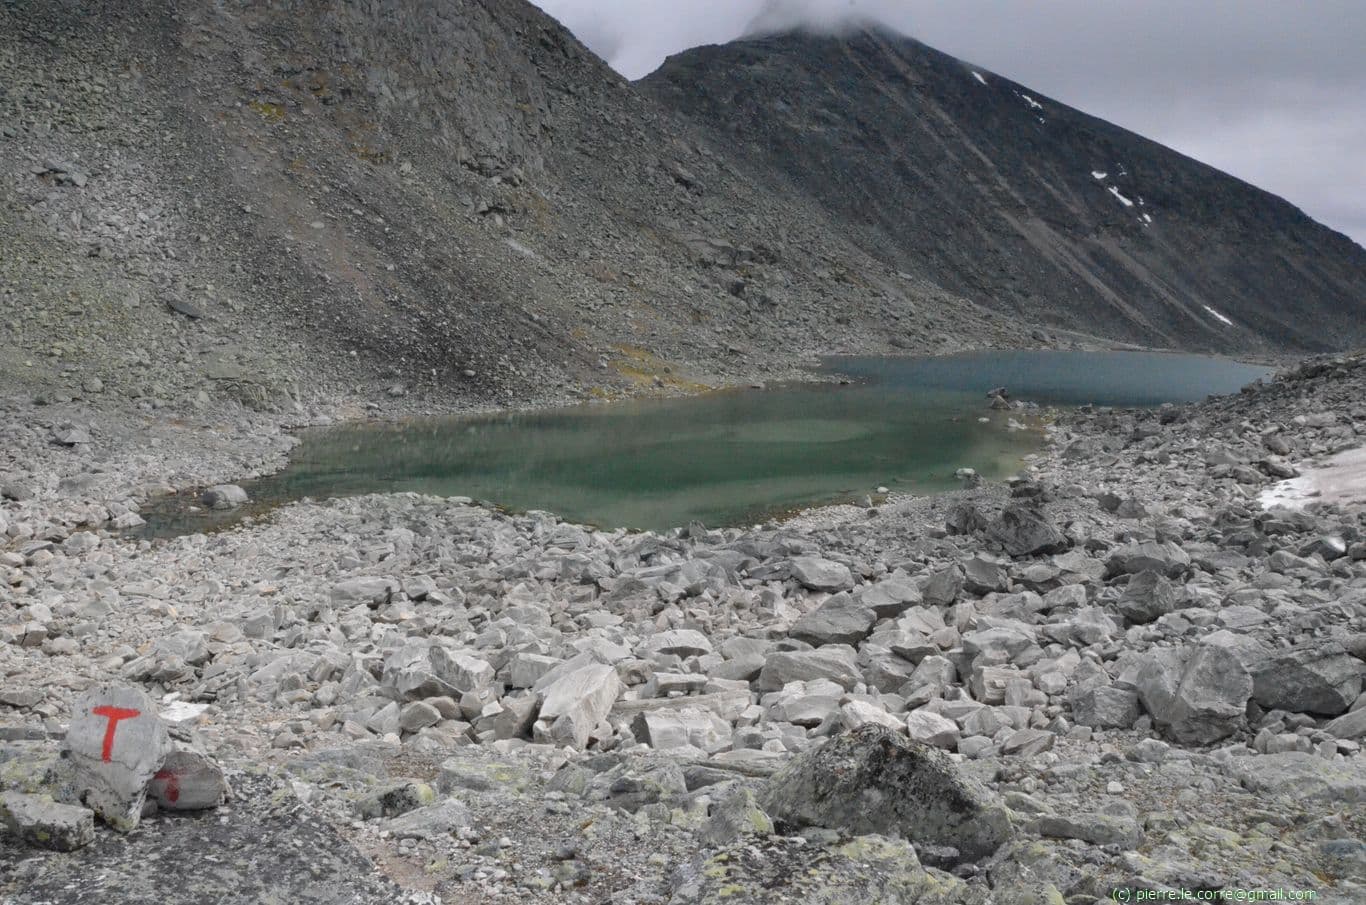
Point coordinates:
pixel 819 574
pixel 865 869
pixel 269 847
pixel 39 821
pixel 1302 777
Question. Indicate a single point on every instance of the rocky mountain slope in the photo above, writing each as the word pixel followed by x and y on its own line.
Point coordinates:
pixel 299 200
pixel 999 194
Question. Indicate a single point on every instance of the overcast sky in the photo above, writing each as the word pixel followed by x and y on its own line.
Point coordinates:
pixel 1272 91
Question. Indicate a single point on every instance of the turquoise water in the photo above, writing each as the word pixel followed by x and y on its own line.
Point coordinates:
pixel 732 458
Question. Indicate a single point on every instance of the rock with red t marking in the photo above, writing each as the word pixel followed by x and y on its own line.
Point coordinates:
pixel 117 744
pixel 188 781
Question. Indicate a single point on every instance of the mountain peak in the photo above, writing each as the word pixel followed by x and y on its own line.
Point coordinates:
pixel 1001 195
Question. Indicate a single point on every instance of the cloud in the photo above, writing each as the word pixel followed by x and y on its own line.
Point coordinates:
pixel 824 16
pixel 1269 91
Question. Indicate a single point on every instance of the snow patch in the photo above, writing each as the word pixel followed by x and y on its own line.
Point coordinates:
pixel 183 712
pixel 1031 102
pixel 1122 200
pixel 1097 174
pixel 978 76
pixel 1342 479
pixel 1219 317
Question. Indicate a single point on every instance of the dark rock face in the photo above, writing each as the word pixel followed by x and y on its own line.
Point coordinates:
pixel 1147 597
pixel 1023 532
pixel 1321 679
pixel 1018 202
pixel 872 780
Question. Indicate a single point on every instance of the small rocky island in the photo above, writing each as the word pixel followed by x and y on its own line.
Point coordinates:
pixel 1134 669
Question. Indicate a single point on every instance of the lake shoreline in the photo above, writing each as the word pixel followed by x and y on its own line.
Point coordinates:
pixel 1025 629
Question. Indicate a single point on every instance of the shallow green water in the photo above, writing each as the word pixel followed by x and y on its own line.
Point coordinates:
pixel 735 457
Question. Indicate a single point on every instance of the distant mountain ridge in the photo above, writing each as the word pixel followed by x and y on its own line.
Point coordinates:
pixel 1006 197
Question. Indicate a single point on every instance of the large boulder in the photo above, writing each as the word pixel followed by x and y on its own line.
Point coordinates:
pixel 1197 697
pixel 1320 678
pixel 840 620
pixel 820 574
pixel 1166 558
pixel 574 704
pixel 116 743
pixel 1022 531
pixel 1146 597
pixel 873 781
pixel 224 496
pixel 837 663
pixel 1104 707
pixel 890 597
pixel 943 587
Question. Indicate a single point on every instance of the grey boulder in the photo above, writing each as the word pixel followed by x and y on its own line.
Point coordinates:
pixel 1166 558
pixel 39 821
pixel 834 662
pixel 117 743
pixel 840 620
pixel 224 496
pixel 1322 679
pixel 1146 597
pixel 820 574
pixel 1022 531
pixel 1197 698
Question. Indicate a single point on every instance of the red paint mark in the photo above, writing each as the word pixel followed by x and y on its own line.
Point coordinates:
pixel 114 714
pixel 172 780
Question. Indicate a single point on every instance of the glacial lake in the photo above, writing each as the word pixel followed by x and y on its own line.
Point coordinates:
pixel 732 457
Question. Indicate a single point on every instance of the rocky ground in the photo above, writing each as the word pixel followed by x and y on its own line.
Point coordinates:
pixel 1115 674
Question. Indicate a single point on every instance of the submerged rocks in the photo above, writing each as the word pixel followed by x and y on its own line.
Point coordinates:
pixel 224 496
pixel 871 780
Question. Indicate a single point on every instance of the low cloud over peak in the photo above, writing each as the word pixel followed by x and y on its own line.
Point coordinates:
pixel 819 16
pixel 1272 92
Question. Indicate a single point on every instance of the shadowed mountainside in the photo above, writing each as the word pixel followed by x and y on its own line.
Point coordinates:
pixel 1007 197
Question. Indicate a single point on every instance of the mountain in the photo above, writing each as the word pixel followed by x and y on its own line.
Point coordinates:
pixel 1011 199
pixel 384 202
pixel 371 199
